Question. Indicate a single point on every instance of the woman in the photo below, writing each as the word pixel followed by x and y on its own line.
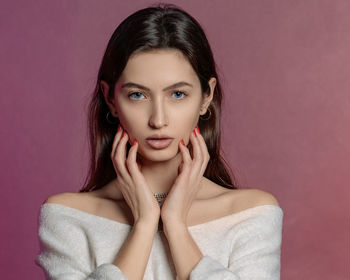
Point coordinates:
pixel 159 203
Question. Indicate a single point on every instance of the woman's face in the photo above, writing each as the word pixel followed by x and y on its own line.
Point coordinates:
pixel 159 93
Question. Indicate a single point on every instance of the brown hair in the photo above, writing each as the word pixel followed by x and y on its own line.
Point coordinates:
pixel 160 27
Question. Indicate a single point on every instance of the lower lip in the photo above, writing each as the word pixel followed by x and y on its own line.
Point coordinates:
pixel 159 143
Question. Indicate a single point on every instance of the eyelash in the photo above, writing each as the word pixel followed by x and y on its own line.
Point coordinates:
pixel 177 91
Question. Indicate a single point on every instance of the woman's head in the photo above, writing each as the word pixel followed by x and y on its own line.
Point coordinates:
pixel 158 93
pixel 172 45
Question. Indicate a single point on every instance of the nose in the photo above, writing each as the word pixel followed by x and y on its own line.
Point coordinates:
pixel 158 117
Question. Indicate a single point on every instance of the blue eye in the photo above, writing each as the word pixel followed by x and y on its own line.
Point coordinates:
pixel 179 94
pixel 135 94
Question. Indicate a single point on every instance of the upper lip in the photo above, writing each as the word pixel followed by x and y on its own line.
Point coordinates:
pixel 158 136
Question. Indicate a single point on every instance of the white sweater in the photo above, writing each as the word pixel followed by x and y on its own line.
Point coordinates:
pixel 79 245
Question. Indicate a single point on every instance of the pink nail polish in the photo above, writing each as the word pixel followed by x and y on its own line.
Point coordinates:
pixel 134 142
pixel 198 130
pixel 123 133
pixel 194 132
pixel 182 142
pixel 118 128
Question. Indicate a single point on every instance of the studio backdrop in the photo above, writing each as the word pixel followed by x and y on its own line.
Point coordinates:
pixel 285 68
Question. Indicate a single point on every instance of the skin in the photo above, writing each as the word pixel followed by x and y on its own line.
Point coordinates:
pixel 177 169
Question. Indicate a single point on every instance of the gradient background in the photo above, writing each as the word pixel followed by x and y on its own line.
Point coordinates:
pixel 285 69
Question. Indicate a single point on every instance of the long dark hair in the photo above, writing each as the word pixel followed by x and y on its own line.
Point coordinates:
pixel 159 27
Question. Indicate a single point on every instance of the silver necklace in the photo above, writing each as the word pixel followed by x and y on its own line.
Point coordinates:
pixel 160 197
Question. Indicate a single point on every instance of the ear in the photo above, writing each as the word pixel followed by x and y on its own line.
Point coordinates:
pixel 209 96
pixel 110 102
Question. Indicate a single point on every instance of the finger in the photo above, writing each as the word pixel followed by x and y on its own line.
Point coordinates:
pixel 186 158
pixel 204 150
pixel 116 140
pixel 132 164
pixel 139 165
pixel 180 167
pixel 120 158
pixel 187 172
pixel 197 151
pixel 184 167
pixel 138 161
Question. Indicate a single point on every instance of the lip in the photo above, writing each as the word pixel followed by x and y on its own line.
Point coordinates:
pixel 159 141
pixel 158 136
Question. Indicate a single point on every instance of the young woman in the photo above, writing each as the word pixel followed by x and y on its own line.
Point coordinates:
pixel 159 202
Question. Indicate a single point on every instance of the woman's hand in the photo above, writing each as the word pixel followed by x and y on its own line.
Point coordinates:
pixel 131 182
pixel 176 206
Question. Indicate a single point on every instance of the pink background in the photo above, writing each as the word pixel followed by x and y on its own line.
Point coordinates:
pixel 285 69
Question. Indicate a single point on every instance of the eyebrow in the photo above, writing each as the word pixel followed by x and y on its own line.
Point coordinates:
pixel 134 85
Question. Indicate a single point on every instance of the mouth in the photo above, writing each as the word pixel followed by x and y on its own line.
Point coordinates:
pixel 159 142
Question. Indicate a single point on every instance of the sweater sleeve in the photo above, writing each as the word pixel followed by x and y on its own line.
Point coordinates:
pixel 255 252
pixel 65 251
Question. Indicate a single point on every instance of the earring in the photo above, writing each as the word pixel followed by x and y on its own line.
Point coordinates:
pixel 206 118
pixel 108 120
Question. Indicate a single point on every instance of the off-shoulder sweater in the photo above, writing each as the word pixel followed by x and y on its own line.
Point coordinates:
pixel 77 245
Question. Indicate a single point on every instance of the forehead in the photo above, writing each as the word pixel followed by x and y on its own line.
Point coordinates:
pixel 160 67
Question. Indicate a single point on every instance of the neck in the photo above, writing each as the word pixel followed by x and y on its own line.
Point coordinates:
pixel 159 175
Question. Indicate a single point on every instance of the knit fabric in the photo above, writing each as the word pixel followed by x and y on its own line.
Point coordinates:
pixel 78 245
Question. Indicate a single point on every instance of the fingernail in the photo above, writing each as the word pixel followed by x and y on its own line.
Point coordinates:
pixel 134 142
pixel 118 128
pixel 123 133
pixel 198 130
pixel 194 132
pixel 182 142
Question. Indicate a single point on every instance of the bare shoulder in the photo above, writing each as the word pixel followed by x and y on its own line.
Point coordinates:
pixel 260 197
pixel 247 198
pixel 81 201
pixel 95 203
pixel 216 201
pixel 61 198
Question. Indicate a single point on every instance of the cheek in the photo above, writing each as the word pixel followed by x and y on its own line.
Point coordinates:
pixel 130 116
pixel 185 122
pixel 130 120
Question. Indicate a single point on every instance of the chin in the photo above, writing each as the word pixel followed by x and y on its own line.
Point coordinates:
pixel 159 155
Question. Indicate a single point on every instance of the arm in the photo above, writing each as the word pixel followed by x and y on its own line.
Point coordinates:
pixel 184 251
pixel 137 247
pixel 66 252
